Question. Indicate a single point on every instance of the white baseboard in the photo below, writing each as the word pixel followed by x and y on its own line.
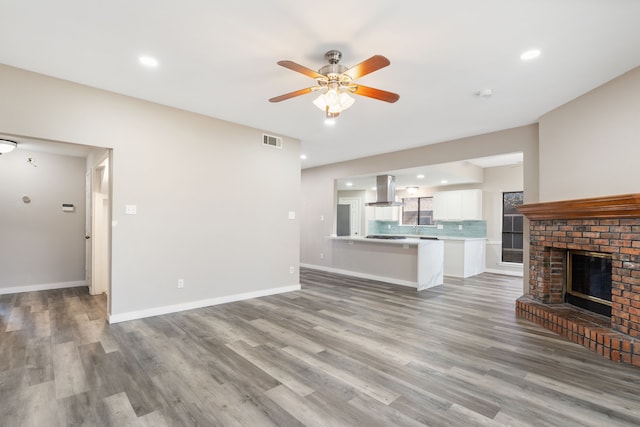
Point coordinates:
pixel 42 287
pixel 400 282
pixel 157 311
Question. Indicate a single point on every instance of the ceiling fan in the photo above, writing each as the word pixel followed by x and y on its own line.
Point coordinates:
pixel 337 81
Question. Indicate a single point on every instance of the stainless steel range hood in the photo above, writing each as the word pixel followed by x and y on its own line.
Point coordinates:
pixel 386 190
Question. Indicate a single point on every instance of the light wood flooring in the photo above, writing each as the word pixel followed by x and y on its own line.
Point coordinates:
pixel 340 352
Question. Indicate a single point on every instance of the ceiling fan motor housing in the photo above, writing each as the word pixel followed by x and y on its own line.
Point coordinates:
pixel 336 69
pixel 333 72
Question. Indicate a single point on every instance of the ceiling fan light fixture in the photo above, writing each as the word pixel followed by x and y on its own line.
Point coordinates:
pixel 7 146
pixel 333 102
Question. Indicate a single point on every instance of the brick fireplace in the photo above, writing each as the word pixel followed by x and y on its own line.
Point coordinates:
pixel 608 225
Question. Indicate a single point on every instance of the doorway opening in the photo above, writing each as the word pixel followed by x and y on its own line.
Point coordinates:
pixel 98 226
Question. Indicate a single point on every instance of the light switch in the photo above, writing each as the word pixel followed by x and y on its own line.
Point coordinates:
pixel 130 209
pixel 292 215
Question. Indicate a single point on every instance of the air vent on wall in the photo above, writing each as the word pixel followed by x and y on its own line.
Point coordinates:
pixel 272 141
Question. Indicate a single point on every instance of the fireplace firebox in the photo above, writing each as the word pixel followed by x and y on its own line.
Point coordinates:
pixel 588 281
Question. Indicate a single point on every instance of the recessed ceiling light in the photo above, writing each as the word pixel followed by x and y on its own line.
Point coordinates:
pixel 412 189
pixel 329 121
pixel 484 93
pixel 349 184
pixel 148 61
pixel 444 181
pixel 420 176
pixel 530 54
pixel 303 156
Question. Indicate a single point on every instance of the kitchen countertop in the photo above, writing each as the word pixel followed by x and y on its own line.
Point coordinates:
pixel 411 240
pixel 408 241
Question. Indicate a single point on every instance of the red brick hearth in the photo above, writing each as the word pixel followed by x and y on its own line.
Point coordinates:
pixel 608 225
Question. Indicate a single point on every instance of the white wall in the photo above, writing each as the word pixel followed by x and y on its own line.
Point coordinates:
pixel 41 245
pixel 212 201
pixel 319 189
pixel 590 146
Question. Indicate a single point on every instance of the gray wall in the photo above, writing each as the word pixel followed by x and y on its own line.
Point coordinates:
pixel 212 201
pixel 597 138
pixel 497 181
pixel 319 193
pixel 41 244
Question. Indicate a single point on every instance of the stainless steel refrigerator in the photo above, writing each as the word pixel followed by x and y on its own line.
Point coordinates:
pixel 344 220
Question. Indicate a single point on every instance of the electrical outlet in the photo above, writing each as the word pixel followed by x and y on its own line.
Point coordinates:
pixel 459 226
pixel 180 283
pixel 292 270
pixel 321 255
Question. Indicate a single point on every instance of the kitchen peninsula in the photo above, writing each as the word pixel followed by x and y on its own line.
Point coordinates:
pixel 414 262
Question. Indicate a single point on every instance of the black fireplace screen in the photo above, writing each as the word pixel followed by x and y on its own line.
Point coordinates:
pixel 589 280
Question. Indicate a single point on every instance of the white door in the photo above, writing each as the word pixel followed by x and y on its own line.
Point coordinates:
pixel 88 191
pixel 354 221
pixel 100 236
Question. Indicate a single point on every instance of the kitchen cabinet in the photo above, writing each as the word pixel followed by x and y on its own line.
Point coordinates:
pixel 464 257
pixel 457 205
pixel 387 213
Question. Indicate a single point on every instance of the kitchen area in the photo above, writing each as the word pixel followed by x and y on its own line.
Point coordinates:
pixel 406 228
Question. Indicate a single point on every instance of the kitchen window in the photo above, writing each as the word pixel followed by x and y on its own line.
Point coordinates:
pixel 417 211
pixel 512 227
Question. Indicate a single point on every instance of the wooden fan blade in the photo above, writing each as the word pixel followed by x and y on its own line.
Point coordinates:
pixel 294 94
pixel 370 92
pixel 301 69
pixel 369 66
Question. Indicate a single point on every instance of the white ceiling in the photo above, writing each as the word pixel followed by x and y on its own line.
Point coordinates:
pixel 440 175
pixel 219 59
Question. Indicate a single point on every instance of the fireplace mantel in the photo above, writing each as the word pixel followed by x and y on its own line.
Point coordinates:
pixel 622 206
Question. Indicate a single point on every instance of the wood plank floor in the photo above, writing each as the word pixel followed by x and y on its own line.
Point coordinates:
pixel 340 352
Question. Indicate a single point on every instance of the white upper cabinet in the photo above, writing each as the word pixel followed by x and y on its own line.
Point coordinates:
pixel 457 205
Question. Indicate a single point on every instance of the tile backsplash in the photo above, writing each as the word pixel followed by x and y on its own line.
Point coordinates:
pixel 470 228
